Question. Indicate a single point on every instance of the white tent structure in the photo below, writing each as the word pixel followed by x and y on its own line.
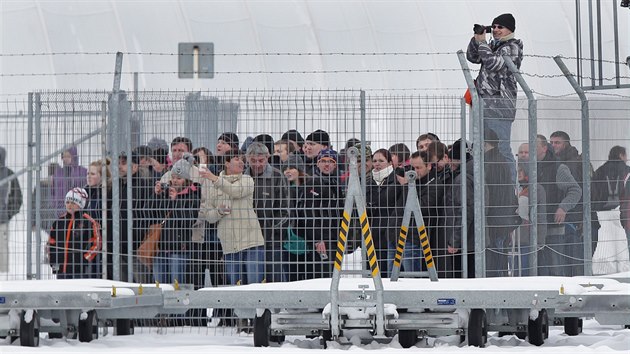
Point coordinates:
pixel 419 37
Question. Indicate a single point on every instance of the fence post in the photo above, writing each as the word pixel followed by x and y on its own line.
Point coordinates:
pixel 29 188
pixel 115 151
pixel 104 229
pixel 532 122
pixel 464 192
pixel 586 172
pixel 478 193
pixel 38 193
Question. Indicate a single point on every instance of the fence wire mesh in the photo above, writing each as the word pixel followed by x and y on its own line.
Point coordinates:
pixel 261 203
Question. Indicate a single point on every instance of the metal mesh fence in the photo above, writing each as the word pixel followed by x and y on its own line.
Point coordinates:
pixel 271 214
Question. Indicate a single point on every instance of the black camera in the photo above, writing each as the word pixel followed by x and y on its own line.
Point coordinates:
pixel 400 171
pixel 481 29
pixel 165 186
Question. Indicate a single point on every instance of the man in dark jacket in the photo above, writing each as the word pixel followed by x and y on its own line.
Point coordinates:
pixel 141 192
pixel 567 154
pixel 453 207
pixel 271 206
pixel 563 195
pixel 501 206
pixel 10 204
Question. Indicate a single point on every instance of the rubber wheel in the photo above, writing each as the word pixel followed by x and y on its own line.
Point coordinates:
pixel 572 326
pixel 123 327
pixel 262 329
pixel 407 338
pixel 88 328
pixel 538 330
pixel 277 339
pixel 477 328
pixel 29 331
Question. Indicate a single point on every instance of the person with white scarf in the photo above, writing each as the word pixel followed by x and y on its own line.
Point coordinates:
pixel 385 205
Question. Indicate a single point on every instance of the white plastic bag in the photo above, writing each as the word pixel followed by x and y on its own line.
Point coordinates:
pixel 611 253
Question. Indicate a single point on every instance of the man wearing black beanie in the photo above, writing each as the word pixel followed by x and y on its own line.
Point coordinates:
pixel 495 83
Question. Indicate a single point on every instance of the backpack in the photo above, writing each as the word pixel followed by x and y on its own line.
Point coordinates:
pixel 605 191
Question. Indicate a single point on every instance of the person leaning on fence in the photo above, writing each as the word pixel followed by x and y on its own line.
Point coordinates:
pixel 75 240
pixel 384 203
pixel 271 206
pixel 431 197
pixel 230 204
pixel 94 207
pixel 567 154
pixel 178 208
pixel 563 195
pixel 431 193
pixel 140 203
pixel 10 204
pixel 313 211
pixel 495 83
pixel 501 206
pixel 453 209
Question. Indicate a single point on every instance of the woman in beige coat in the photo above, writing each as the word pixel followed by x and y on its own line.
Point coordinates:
pixel 230 204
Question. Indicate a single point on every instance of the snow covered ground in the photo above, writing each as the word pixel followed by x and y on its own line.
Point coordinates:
pixel 595 339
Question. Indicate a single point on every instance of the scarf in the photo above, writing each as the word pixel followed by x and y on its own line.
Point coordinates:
pixel 379 176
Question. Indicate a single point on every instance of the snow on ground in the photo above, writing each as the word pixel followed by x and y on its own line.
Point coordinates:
pixel 595 339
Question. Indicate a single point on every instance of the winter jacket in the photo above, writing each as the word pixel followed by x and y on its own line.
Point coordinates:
pixel 66 178
pixel 563 191
pixel 607 184
pixel 431 194
pixel 239 229
pixel 315 211
pixel 179 216
pixel 385 207
pixel 271 204
pixel 453 207
pixel 141 205
pixel 496 83
pixel 74 243
pixel 10 192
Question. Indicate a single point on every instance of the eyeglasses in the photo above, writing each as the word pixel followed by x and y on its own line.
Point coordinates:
pixel 497 26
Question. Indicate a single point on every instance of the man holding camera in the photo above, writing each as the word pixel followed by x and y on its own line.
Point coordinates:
pixel 495 83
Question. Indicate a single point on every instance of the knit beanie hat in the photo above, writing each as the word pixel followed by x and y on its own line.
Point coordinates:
pixel 455 152
pixel 266 140
pixel 295 161
pixel 505 20
pixel 77 196
pixel 293 135
pixel 183 165
pixel 328 154
pixel 230 138
pixel 319 136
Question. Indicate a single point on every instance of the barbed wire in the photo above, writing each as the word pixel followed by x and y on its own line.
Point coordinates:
pixel 574 58
pixel 248 72
pixel 540 56
pixel 286 72
pixel 235 54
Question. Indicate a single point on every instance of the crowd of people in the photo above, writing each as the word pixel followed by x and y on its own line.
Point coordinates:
pixel 270 211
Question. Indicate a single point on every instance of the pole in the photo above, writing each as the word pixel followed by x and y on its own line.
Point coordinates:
pixel 586 173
